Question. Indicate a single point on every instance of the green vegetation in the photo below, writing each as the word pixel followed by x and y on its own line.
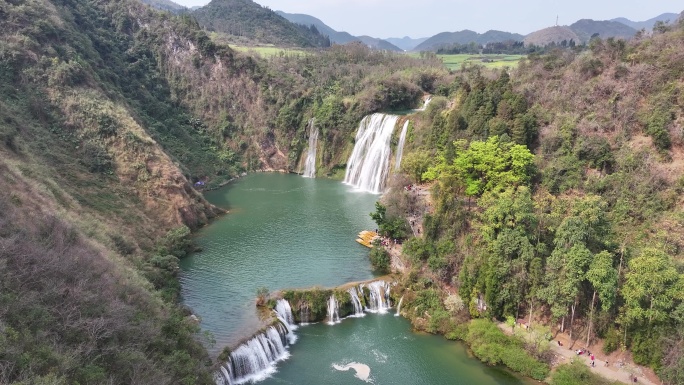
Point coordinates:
pixel 247 20
pixel 456 61
pixel 493 347
pixel 380 259
pixel 577 373
pixel 553 204
pixel 391 226
pixel 268 51
pixel 555 184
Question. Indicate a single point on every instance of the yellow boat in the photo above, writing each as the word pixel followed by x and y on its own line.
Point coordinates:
pixel 366 238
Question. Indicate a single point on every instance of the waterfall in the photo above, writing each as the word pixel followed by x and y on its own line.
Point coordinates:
pixel 400 146
pixel 379 300
pixel 254 360
pixel 333 310
pixel 304 314
pixel 425 103
pixel 310 164
pixel 284 313
pixel 399 306
pixel 368 165
pixel 356 302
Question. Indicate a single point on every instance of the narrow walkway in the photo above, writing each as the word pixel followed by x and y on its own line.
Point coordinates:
pixel 616 370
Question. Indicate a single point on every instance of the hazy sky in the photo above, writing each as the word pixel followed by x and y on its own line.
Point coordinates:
pixel 424 18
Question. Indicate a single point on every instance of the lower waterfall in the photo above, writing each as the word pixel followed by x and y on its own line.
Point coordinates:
pixel 400 146
pixel 356 302
pixel 283 311
pixel 333 310
pixel 379 300
pixel 368 165
pixel 310 164
pixel 254 360
pixel 399 306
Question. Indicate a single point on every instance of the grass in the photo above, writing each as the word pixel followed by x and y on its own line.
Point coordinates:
pixel 454 62
pixel 268 51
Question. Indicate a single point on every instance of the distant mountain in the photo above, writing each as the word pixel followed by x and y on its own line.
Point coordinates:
pixel 260 24
pixel 335 37
pixel 647 24
pixel 551 35
pixel 446 39
pixel 406 43
pixel 376 43
pixel 586 28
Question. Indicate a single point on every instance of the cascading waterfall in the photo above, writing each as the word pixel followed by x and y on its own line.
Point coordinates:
pixel 400 146
pixel 425 103
pixel 304 314
pixel 333 310
pixel 254 360
pixel 368 164
pixel 379 300
pixel 399 306
pixel 284 313
pixel 310 164
pixel 356 302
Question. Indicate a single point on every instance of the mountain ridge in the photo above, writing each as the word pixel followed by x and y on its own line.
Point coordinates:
pixel 465 36
pixel 647 24
pixel 335 36
pixel 338 37
pixel 248 19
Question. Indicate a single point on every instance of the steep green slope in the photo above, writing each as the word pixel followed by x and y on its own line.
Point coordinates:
pixel 556 190
pixel 109 112
pixel 248 19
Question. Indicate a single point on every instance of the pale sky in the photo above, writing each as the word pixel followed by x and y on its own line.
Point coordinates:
pixel 425 18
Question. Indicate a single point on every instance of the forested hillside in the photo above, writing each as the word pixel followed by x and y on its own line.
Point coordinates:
pixel 259 25
pixel 556 185
pixel 109 112
pixel 557 197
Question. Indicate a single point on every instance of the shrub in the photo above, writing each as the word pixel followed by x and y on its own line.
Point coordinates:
pixel 380 259
pixel 576 373
pixel 493 347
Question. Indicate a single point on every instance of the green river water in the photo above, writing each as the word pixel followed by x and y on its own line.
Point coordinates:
pixel 285 231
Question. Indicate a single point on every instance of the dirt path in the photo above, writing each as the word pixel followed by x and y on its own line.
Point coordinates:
pixel 619 367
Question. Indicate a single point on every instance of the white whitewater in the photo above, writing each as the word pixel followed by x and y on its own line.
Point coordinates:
pixel 379 300
pixel 368 165
pixel 310 164
pixel 304 314
pixel 399 306
pixel 255 359
pixel 356 302
pixel 283 311
pixel 400 146
pixel 333 310
pixel 425 103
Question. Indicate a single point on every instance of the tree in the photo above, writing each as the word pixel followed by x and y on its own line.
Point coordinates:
pixel 393 227
pixel 580 234
pixel 380 259
pixel 652 288
pixel 508 228
pixel 603 278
